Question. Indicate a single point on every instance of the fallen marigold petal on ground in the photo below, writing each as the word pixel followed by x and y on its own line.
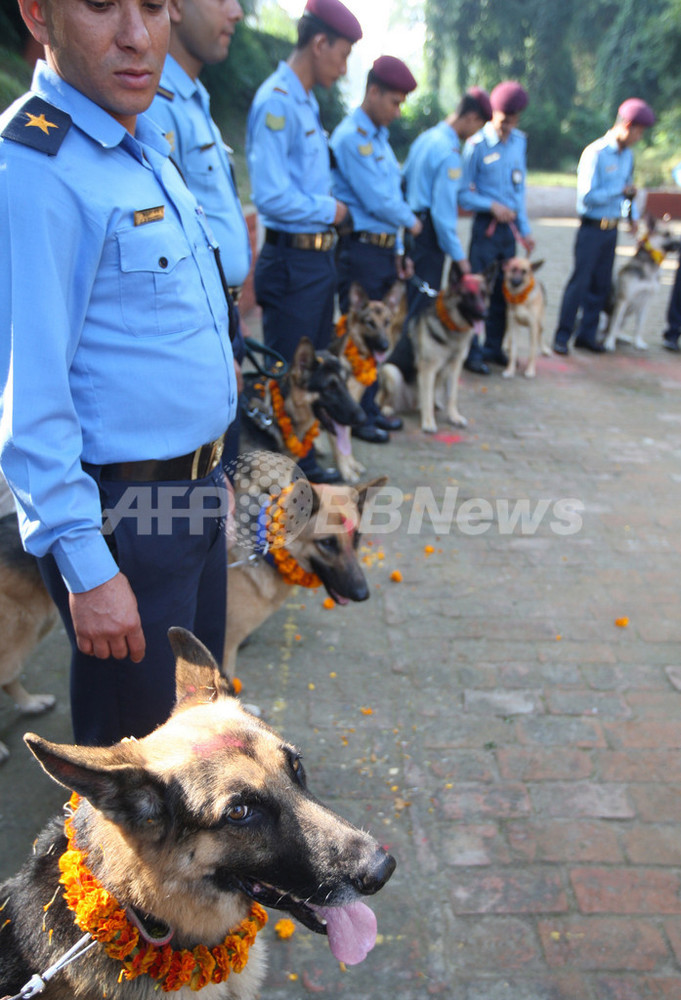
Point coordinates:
pixel 367 711
pixel 622 622
pixel 329 603
pixel 428 549
pixel 285 928
pixel 396 576
pixel 237 685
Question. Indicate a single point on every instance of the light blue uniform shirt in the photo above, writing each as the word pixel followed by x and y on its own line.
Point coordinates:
pixel 367 176
pixel 198 149
pixel 603 173
pixel 433 173
pixel 114 337
pixel 288 156
pixel 495 171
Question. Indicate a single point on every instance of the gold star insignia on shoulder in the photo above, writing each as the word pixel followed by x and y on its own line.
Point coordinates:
pixel 40 121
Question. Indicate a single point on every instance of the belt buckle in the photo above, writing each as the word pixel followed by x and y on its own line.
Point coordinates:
pixel 607 224
pixel 318 241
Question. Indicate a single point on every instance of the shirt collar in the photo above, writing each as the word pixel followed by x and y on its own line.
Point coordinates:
pixel 180 81
pixel 612 143
pixel 363 120
pixel 94 121
pixel 491 135
pixel 451 134
pixel 294 86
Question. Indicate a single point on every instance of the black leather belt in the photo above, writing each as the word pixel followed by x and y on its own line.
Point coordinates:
pixel 235 291
pixel 600 223
pixel 196 465
pixel 384 240
pixel 301 241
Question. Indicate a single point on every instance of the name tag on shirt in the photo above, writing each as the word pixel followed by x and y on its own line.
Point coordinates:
pixel 366 149
pixel 454 173
pixel 491 158
pixel 144 215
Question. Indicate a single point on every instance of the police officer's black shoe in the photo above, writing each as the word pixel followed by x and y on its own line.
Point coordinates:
pixel 371 433
pixel 559 348
pixel 671 345
pixel 476 366
pixel 495 357
pixel 316 474
pixel 590 345
pixel 388 423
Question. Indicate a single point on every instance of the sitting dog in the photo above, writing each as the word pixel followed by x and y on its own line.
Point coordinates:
pixel 27 614
pixel 306 534
pixel 636 284
pixel 364 339
pixel 170 846
pixel 434 348
pixel 525 307
pixel 288 414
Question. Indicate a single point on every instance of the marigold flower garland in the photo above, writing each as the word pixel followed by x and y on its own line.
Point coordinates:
pixel 98 913
pixel 518 299
pixel 443 315
pixel 288 567
pixel 364 369
pixel 293 443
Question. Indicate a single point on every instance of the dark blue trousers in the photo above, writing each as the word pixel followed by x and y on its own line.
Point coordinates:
pixel 483 251
pixel 296 290
pixel 176 562
pixel 673 330
pixel 589 284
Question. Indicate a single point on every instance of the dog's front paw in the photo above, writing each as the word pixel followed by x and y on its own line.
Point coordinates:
pixel 609 344
pixel 429 428
pixel 529 372
pixel 457 420
pixel 640 344
pixel 508 373
pixel 37 703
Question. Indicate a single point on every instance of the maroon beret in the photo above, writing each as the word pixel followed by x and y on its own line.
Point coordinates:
pixel 394 74
pixel 482 97
pixel 509 97
pixel 336 16
pixel 636 112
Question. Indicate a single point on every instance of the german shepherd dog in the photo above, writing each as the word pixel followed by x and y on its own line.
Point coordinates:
pixel 27 614
pixel 323 543
pixel 435 346
pixel 525 307
pixel 636 284
pixel 174 842
pixel 365 337
pixel 314 389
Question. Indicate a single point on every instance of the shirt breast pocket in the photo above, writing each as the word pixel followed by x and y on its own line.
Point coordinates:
pixel 203 169
pixel 156 279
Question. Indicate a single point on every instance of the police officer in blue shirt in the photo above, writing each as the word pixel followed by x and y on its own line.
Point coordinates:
pixel 433 173
pixel 200 35
pixel 116 367
pixel 493 187
pixel 288 161
pixel 367 178
pixel 604 183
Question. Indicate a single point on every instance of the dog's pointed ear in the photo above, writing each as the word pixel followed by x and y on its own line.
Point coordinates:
pixel 110 778
pixel 455 274
pixel 490 273
pixel 197 676
pixel 535 265
pixel 393 297
pixel 358 298
pixel 364 488
pixel 303 360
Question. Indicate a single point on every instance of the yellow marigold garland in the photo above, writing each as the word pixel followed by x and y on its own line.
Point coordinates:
pixel 287 566
pixel 517 299
pixel 364 369
pixel 98 913
pixel 293 443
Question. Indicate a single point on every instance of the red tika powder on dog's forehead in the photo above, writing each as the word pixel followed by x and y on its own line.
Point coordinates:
pixel 471 282
pixel 221 741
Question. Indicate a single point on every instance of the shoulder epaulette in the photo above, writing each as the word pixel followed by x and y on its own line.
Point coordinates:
pixel 362 131
pixel 164 92
pixel 280 90
pixel 38 125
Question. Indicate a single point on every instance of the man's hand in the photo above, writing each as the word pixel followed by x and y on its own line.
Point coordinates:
pixel 404 267
pixel 341 212
pixel 501 213
pixel 417 228
pixel 464 265
pixel 239 377
pixel 107 622
pixel 528 243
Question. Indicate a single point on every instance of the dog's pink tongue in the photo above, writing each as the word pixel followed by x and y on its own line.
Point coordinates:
pixel 351 930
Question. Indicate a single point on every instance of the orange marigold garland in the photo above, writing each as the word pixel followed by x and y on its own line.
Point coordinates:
pixel 518 298
pixel 293 443
pixel 364 369
pixel 99 914
pixel 288 567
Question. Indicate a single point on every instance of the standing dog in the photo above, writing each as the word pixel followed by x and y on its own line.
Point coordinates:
pixel 175 841
pixel 525 307
pixel 435 347
pixel 364 339
pixel 636 284
pixel 27 614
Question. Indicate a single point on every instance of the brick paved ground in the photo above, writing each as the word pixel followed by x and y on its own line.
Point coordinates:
pixel 522 759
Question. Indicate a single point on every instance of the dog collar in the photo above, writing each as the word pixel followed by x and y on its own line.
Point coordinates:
pixel 517 300
pixel 657 255
pixel 293 443
pixel 269 542
pixel 444 317
pixel 99 914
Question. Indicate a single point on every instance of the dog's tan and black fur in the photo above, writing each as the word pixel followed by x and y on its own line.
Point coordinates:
pixel 27 614
pixel 369 328
pixel 327 545
pixel 525 309
pixel 434 348
pixel 187 826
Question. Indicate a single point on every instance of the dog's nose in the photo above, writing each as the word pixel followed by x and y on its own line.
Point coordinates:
pixel 376 874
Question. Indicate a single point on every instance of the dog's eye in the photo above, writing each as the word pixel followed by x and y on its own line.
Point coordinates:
pixel 238 812
pixel 328 544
